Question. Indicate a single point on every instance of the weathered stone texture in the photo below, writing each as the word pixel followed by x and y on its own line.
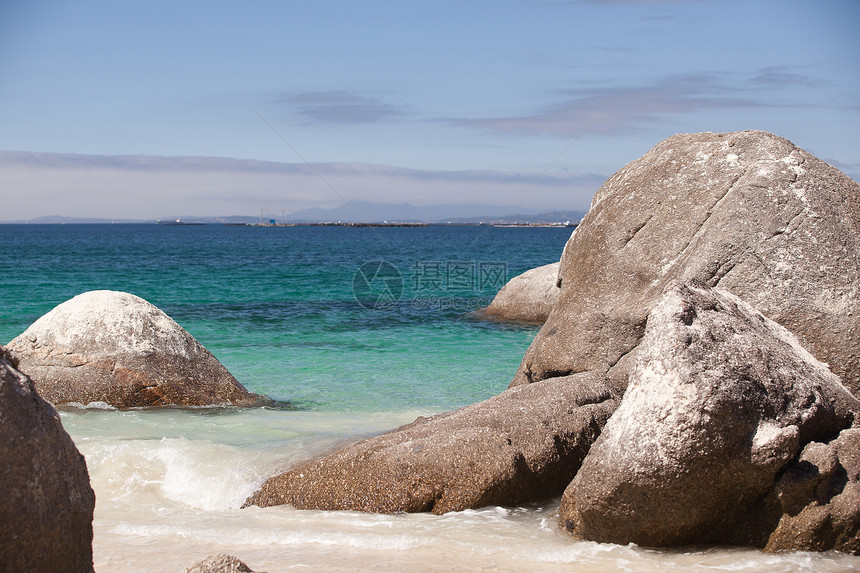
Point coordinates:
pixel 720 401
pixel 524 444
pixel 749 212
pixel 218 563
pixel 114 347
pixel 46 511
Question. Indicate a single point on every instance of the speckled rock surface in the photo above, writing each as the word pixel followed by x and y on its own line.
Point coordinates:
pixel 218 563
pixel 818 497
pixel 720 401
pixel 528 297
pixel 46 512
pixel 522 445
pixel 116 348
pixel 749 212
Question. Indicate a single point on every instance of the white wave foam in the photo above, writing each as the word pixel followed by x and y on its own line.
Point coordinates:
pixel 174 480
pixel 97 405
pixel 194 474
pixel 282 537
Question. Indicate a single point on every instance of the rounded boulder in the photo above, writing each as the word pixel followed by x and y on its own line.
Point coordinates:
pixel 528 297
pixel 116 348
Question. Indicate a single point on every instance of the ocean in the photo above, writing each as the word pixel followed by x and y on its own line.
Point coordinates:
pixel 355 331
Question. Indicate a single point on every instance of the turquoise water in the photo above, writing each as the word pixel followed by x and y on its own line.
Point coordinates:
pixel 277 305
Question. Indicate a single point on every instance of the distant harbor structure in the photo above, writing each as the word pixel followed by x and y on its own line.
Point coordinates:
pixel 379 217
pixel 176 222
pixel 508 225
pixel 271 222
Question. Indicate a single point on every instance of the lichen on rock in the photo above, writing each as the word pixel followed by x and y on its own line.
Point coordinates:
pixel 720 401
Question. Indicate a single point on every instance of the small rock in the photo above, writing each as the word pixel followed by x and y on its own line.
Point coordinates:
pixel 528 297
pixel 218 563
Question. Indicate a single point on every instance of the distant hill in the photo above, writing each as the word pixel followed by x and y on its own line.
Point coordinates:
pixel 369 212
pixel 59 219
pixel 363 212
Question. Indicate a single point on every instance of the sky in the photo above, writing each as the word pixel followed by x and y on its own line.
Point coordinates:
pixel 163 109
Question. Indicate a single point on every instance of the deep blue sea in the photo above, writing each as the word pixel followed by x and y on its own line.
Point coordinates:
pixel 362 329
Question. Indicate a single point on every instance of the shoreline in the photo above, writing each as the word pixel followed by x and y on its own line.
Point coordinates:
pixel 167 499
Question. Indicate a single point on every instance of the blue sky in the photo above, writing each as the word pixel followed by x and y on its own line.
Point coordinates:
pixel 527 103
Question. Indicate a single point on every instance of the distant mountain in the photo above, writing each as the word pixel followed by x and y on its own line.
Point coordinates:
pixel 361 212
pixel 368 212
pixel 59 219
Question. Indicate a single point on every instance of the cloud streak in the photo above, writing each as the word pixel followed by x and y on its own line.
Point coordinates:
pixel 779 77
pixel 153 164
pixel 339 107
pixel 617 110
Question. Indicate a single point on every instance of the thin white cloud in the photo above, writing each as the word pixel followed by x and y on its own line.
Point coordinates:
pixel 151 163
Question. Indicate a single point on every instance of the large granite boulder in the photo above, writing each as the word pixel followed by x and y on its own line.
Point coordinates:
pixel 525 444
pixel 720 401
pixel 114 347
pixel 749 212
pixel 46 513
pixel 528 297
